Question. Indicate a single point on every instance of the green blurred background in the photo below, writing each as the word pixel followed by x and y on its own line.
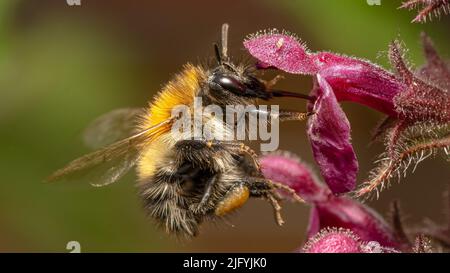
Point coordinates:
pixel 61 66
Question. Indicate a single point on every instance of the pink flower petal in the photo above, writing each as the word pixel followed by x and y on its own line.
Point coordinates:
pixel 288 170
pixel 329 133
pixel 333 241
pixel 352 79
pixel 314 223
pixel 282 51
pixel 344 212
pixel 360 81
pixel 340 240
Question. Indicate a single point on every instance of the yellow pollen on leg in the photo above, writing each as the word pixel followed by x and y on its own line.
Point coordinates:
pixel 233 200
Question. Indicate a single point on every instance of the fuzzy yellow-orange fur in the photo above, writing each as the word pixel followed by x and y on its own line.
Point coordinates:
pixel 180 91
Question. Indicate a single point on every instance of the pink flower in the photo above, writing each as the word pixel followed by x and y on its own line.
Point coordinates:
pixel 327 210
pixel 334 240
pixel 407 99
pixel 342 225
pixel 338 78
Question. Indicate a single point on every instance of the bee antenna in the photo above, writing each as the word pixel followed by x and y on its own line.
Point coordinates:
pixel 225 42
pixel 217 52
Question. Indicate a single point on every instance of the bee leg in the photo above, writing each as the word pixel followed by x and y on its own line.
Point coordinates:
pixel 261 187
pixel 241 148
pixel 272 82
pixel 202 206
pixel 247 167
pixel 287 189
pixel 254 156
pixel 276 207
pixel 284 115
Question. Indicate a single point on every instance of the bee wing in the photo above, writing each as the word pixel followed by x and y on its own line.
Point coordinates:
pixel 110 171
pixel 109 164
pixel 111 127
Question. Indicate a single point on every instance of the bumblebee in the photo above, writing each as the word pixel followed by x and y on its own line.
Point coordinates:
pixel 184 182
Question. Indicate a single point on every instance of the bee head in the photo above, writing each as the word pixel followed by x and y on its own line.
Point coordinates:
pixel 226 77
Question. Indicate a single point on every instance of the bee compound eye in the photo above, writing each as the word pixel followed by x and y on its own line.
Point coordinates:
pixel 229 83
